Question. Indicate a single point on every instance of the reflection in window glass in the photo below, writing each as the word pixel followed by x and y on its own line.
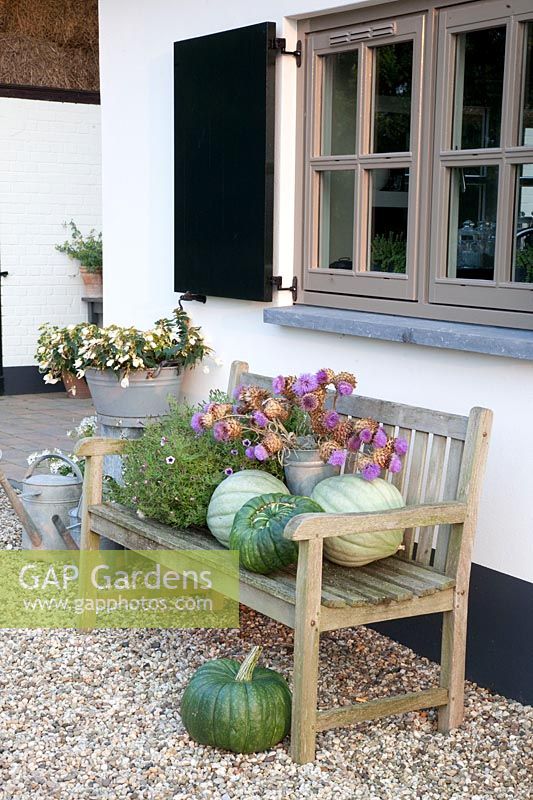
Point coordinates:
pixel 339 104
pixel 388 220
pixel 523 251
pixel 527 104
pixel 337 188
pixel 472 222
pixel 392 97
pixel 479 65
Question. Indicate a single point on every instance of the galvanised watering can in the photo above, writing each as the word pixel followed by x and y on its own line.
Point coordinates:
pixel 45 496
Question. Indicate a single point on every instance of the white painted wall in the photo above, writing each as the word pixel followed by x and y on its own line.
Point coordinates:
pixel 136 51
pixel 50 172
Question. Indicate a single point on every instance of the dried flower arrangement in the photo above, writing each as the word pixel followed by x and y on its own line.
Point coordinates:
pixel 263 420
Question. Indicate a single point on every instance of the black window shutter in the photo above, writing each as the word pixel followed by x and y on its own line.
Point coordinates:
pixel 223 163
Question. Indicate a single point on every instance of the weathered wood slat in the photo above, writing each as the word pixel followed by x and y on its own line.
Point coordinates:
pixel 335 618
pixel 99 446
pixel 416 585
pixel 451 482
pixel 432 494
pixel 414 484
pixel 458 565
pixel 429 574
pixel 386 589
pixel 321 526
pixel 328 598
pixel 384 707
pixel 237 371
pixel 306 646
pixel 420 419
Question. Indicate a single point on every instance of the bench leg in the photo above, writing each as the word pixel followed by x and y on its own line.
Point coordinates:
pixel 306 644
pixel 452 670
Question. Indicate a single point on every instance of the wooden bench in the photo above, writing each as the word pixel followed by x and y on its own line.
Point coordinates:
pixel 441 482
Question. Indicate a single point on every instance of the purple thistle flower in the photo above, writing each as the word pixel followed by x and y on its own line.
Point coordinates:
pixel 354 443
pixel 235 408
pixel 400 447
pixel 395 464
pixel 220 431
pixel 260 419
pixel 278 384
pixel 331 420
pixel 305 383
pixel 309 402
pixel 322 377
pixel 196 423
pixel 228 471
pixel 343 387
pixel 337 458
pixel 234 452
pixel 366 435
pixel 260 452
pixel 237 391
pixel 170 460
pixel 380 438
pixel 370 472
pixel 246 443
pixel 250 453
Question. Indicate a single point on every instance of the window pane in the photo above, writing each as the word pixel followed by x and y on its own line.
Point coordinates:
pixel 388 220
pixel 472 228
pixel 339 104
pixel 527 110
pixel 478 88
pixel 523 255
pixel 392 97
pixel 337 191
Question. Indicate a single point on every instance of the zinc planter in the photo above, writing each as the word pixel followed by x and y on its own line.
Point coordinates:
pixel 304 469
pixel 146 397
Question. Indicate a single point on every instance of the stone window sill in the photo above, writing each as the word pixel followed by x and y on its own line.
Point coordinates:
pixel 507 342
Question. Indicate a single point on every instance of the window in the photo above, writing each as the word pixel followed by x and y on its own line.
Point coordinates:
pixel 418 165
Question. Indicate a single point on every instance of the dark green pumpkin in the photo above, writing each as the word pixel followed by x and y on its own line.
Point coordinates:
pixel 257 531
pixel 238 707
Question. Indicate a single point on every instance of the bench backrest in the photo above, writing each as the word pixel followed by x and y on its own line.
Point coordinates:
pixel 445 461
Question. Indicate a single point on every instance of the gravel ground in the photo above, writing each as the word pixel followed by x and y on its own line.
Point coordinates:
pixel 96 716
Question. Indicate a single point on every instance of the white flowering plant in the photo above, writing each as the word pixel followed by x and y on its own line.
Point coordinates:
pixel 172 342
pixel 56 466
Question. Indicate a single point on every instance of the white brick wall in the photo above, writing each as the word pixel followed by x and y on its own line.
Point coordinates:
pixel 50 172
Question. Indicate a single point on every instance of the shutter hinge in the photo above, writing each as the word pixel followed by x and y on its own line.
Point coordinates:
pixel 200 298
pixel 276 282
pixel 281 45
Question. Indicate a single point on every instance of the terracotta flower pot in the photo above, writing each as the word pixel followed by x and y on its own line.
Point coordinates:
pixel 93 280
pixel 76 388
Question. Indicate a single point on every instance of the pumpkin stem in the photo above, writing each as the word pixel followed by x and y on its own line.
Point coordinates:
pixel 248 665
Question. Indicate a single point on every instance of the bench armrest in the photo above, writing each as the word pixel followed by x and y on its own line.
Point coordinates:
pixel 100 446
pixel 322 526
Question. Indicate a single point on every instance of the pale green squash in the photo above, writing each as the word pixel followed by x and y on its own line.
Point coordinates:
pixel 350 493
pixel 230 496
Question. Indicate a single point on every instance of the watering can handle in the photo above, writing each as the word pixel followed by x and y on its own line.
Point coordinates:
pixel 74 467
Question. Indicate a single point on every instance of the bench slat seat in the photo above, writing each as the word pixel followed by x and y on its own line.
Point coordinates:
pixel 387 581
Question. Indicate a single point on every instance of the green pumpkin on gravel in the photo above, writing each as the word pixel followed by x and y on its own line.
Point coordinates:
pixel 257 531
pixel 237 707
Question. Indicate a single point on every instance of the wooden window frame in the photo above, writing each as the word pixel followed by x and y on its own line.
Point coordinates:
pixel 425 298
